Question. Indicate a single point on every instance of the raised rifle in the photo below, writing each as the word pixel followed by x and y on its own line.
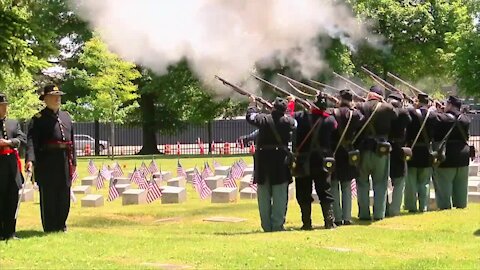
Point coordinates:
pixel 337 89
pixel 411 87
pixel 243 92
pixel 317 91
pixel 350 82
pixel 305 103
pixel 385 84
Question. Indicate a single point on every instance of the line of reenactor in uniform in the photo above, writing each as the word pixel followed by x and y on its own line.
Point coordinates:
pixel 378 142
pixel 50 156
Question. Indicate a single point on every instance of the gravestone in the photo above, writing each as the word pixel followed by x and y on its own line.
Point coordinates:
pixel 81 190
pixel 122 188
pixel 134 196
pixel 214 182
pixel 222 170
pixel 122 180
pixel 248 193
pixel 89 181
pixel 177 182
pixel 174 195
pixel 92 200
pixel 224 195
pixel 28 195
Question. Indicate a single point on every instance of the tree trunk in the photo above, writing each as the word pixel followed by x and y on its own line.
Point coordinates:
pixel 147 107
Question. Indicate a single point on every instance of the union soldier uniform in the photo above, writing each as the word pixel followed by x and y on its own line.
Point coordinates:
pixel 344 172
pixel 417 186
pixel 272 173
pixel 313 143
pixel 51 148
pixel 374 154
pixel 398 158
pixel 11 178
pixel 451 176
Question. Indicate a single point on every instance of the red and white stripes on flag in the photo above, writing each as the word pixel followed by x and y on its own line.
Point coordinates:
pixel 143 182
pixel 74 176
pixel 152 167
pixel 153 191
pixel 117 170
pixel 136 176
pixel 112 191
pixel 253 185
pixel 92 169
pixel 353 186
pixel 199 183
pixel 216 164
pixel 207 172
pixel 236 171
pixel 144 169
pixel 180 171
pixel 100 180
pixel 230 181
pixel 242 164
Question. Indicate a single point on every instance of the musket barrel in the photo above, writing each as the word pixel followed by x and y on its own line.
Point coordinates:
pixel 350 82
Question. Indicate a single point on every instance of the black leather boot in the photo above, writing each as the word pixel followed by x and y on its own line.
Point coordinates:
pixel 328 216
pixel 306 210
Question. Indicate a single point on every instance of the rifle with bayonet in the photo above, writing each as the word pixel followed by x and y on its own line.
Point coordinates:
pixel 244 92
pixel 386 84
pixel 317 91
pixel 302 101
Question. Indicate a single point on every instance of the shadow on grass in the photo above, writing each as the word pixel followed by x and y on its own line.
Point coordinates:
pixel 100 222
pixel 30 234
pixel 477 233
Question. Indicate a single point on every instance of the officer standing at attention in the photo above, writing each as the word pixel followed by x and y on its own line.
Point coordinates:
pixel 51 151
pixel 11 179
pixel 272 172
pixel 374 153
pixel 349 121
pixel 398 158
pixel 451 176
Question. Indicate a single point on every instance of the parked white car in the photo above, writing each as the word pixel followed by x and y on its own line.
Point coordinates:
pixel 82 140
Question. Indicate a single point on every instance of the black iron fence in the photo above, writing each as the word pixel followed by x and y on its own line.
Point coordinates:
pixel 216 137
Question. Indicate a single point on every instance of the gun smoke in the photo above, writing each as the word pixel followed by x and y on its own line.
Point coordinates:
pixel 227 37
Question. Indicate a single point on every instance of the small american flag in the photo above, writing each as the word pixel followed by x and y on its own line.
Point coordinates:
pixel 180 171
pixel 117 170
pixel 136 176
pixel 353 186
pixel 143 182
pixel 236 171
pixel 100 180
pixel 178 149
pixel 230 181
pixel 112 191
pixel 207 172
pixel 74 176
pixel 153 191
pixel 216 164
pixel 152 167
pixel 253 185
pixel 92 169
pixel 202 189
pixel 242 164
pixel 144 169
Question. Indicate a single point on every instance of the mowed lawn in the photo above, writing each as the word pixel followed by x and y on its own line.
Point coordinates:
pixel 157 236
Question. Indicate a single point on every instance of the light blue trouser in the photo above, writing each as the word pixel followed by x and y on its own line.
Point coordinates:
pixel 272 205
pixel 342 207
pixel 417 186
pixel 378 166
pixel 397 196
pixel 451 186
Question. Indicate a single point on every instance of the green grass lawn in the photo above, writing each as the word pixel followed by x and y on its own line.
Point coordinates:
pixel 170 236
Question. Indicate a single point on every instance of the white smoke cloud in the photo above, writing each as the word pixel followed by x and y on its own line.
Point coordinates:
pixel 227 37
